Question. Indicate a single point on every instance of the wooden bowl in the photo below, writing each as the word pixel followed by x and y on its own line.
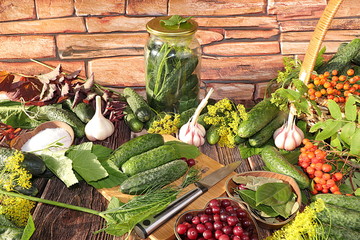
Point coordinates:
pixel 230 185
pixel 19 141
pixel 235 202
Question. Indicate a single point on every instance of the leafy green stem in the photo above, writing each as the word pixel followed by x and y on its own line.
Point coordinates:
pixel 50 202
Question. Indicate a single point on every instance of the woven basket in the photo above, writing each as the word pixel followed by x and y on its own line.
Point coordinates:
pixel 311 55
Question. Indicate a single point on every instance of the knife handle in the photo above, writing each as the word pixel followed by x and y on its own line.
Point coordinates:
pixel 146 227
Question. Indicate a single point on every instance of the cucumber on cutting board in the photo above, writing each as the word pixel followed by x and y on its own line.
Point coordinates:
pixel 258 117
pixel 154 178
pixel 135 146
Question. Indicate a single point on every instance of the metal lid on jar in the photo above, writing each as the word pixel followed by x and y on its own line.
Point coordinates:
pixel 157 27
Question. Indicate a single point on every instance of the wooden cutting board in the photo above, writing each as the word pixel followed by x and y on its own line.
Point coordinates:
pixel 207 166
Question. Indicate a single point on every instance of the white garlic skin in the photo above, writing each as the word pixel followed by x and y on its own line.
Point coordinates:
pixel 193 134
pixel 288 137
pixel 99 127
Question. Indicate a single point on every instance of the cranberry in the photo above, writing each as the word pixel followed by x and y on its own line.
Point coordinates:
pixel 209 226
pixel 192 233
pixel 216 217
pixel 200 228
pixel 214 203
pixel 225 203
pixel 246 223
pixel 215 209
pixel 188 217
pixel 238 231
pixel 190 162
pixel 195 220
pixel 245 237
pixel 181 228
pixel 224 237
pixel 224 216
pixel 207 234
pixel 208 211
pixel 232 220
pixel 227 230
pixel 204 218
pixel 236 238
pixel 218 233
pixel 241 213
pixel 218 225
pixel 230 209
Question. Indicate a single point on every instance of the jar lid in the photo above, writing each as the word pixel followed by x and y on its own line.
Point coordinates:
pixel 157 27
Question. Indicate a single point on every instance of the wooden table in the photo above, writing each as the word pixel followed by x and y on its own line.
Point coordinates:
pixel 54 223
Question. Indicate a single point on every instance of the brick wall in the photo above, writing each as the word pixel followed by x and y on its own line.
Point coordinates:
pixel 243 41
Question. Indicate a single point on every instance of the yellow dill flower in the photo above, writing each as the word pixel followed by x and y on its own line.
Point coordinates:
pixel 305 226
pixel 226 116
pixel 165 124
pixel 17 210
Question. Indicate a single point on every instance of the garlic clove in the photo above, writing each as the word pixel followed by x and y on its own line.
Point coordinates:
pixel 290 143
pixel 279 130
pixel 280 139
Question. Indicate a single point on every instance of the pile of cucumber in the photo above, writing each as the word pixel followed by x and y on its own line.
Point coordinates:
pixel 341 217
pixel 149 162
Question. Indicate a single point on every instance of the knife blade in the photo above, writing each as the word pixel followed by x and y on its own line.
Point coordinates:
pixel 146 227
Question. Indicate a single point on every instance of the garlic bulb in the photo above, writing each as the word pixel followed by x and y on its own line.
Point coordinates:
pixel 288 136
pixel 99 127
pixel 193 132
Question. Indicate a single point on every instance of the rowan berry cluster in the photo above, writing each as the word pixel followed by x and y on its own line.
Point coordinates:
pixel 331 86
pixel 314 163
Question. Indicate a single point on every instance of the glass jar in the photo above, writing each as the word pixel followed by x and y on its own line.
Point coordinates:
pixel 172 66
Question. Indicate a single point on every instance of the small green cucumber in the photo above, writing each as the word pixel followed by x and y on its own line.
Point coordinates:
pixel 349 202
pixel 262 136
pixel 154 178
pixel 276 162
pixel 138 105
pixel 132 121
pixel 135 146
pixel 82 110
pixel 149 160
pixel 212 135
pixel 258 117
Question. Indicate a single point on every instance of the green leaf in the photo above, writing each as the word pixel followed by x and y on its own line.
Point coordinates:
pixel 60 165
pixel 115 178
pixel 347 131
pixel 335 142
pixel 273 194
pixel 317 126
pixel 334 109
pixel 346 189
pixel 320 58
pixel 101 152
pixel 300 86
pixel 175 20
pixel 248 196
pixel 247 151
pixel 357 192
pixel 184 150
pixel 86 164
pixel 29 229
pixel 331 129
pixel 8 231
pixel 355 143
pixel 350 109
pixel 252 182
pixel 284 210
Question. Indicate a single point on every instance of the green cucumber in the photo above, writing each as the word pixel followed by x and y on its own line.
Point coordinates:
pixel 275 162
pixel 261 137
pixel 339 233
pixel 132 121
pixel 239 139
pixel 349 202
pixel 258 117
pixel 212 135
pixel 83 111
pixel 154 178
pixel 138 105
pixel 53 113
pixel 340 217
pixel 149 160
pixel 135 146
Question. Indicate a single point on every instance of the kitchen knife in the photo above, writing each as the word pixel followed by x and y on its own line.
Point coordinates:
pixel 146 227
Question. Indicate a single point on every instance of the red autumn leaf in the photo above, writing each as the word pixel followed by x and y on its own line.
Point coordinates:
pixel 26 89
pixel 6 80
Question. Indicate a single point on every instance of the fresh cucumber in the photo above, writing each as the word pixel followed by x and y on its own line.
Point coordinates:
pixel 154 178
pixel 138 105
pixel 212 135
pixel 149 160
pixel 340 217
pixel 135 146
pixel 339 233
pixel 239 139
pixel 258 117
pixel 53 113
pixel 275 162
pixel 261 137
pixel 82 110
pixel 132 121
pixel 349 202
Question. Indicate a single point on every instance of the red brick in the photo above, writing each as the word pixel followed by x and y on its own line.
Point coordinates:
pixel 290 9
pixel 54 8
pixel 250 21
pixel 251 34
pixel 119 71
pixel 116 23
pixel 309 25
pixel 146 7
pixel 301 47
pixel 61 25
pixel 17 10
pixel 242 48
pixel 216 7
pixel 32 68
pixel 95 7
pixel 338 35
pixel 16 47
pixel 100 45
pixel 349 8
pixel 252 69
pixel 208 36
pixel 233 91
